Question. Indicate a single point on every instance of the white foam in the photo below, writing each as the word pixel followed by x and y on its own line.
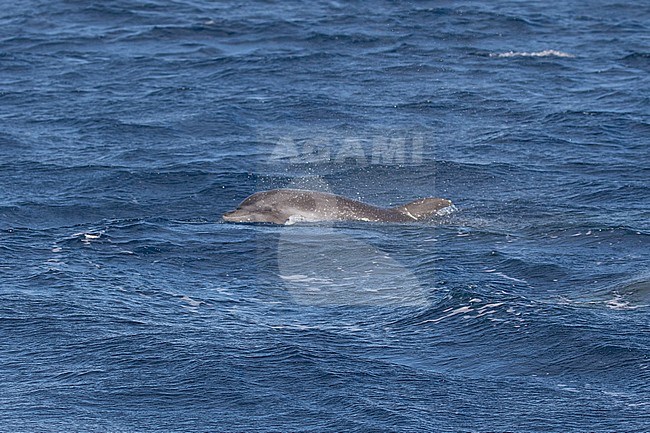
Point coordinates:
pixel 86 238
pixel 618 303
pixel 305 279
pixel 446 210
pixel 567 388
pixel 545 53
pixel 455 312
pixel 507 277
pixel 190 301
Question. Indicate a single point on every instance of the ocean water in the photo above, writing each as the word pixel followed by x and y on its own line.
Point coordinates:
pixel 127 128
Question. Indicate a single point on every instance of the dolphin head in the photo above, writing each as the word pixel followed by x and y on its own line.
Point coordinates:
pixel 256 209
pixel 249 215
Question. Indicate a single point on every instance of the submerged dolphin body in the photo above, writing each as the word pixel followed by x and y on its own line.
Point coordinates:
pixel 288 206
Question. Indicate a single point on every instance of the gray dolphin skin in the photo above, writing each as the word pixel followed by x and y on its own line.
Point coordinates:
pixel 288 206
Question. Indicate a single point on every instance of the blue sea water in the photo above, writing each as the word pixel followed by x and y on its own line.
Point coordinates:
pixel 127 128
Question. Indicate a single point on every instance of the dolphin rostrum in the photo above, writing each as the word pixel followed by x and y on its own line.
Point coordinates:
pixel 288 206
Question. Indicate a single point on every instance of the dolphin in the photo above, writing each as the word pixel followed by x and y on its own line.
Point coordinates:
pixel 288 206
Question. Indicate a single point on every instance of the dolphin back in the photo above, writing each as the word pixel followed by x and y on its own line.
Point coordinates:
pixel 423 208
